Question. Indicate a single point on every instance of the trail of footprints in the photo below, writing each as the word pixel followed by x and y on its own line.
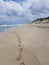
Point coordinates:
pixel 20 46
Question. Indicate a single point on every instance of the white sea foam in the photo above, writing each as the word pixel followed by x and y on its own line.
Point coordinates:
pixel 8 25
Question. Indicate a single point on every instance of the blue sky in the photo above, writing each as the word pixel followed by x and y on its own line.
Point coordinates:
pixel 19 11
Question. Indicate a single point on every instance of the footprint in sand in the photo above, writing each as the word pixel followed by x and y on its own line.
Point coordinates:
pixel 19 57
pixel 20 46
pixel 22 63
pixel 19 41
pixel 21 50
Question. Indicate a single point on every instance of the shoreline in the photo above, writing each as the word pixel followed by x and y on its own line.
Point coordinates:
pixel 8 27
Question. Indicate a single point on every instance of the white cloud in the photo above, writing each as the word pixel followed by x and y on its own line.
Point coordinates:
pixel 29 10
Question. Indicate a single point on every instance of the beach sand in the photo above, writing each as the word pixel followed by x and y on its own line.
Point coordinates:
pixel 25 45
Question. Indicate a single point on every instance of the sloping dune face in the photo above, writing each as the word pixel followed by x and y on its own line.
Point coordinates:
pixel 41 20
pixel 25 45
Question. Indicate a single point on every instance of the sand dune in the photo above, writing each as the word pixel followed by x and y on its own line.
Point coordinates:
pixel 25 45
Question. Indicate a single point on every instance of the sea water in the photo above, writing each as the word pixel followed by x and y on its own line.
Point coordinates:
pixel 6 27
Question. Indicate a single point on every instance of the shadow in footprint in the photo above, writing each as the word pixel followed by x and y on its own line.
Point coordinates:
pixel 19 57
pixel 19 45
pixel 22 63
pixel 21 50
pixel 19 41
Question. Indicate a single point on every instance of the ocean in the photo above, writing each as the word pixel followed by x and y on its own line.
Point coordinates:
pixel 6 27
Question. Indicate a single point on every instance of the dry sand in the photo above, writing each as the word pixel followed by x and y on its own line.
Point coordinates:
pixel 25 45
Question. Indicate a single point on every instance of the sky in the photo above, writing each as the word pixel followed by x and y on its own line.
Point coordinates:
pixel 23 11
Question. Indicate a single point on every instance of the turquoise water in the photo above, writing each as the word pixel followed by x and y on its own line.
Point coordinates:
pixel 5 27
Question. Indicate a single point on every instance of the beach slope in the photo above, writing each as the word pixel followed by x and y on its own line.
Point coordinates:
pixel 25 45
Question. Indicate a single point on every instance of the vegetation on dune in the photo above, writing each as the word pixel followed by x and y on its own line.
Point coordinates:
pixel 41 19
